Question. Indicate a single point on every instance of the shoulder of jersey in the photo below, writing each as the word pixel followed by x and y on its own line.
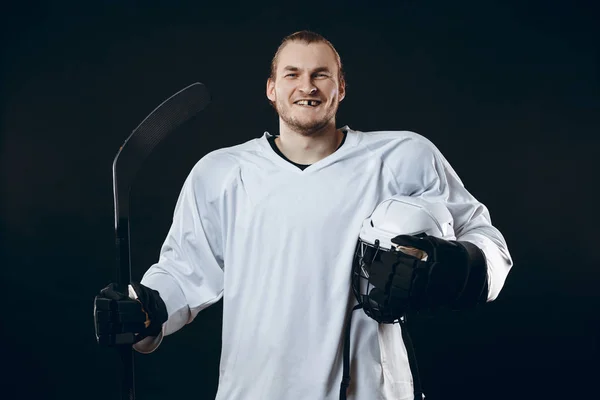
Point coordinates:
pixel 389 136
pixel 384 138
pixel 222 161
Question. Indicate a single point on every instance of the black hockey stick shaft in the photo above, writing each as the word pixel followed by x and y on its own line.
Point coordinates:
pixel 126 352
pixel 161 122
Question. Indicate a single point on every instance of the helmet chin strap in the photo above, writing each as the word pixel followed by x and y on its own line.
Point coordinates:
pixel 412 360
pixel 346 372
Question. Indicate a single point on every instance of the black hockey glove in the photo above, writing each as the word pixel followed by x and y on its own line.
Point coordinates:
pixel 119 319
pixel 453 276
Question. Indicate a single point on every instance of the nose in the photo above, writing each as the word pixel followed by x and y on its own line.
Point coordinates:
pixel 308 89
pixel 307 86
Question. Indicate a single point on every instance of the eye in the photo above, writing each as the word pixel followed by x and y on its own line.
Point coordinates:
pixel 321 75
pixel 291 75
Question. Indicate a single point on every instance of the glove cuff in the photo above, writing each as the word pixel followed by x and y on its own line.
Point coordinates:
pixel 475 290
pixel 154 306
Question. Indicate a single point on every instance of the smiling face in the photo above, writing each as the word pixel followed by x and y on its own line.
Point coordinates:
pixel 306 89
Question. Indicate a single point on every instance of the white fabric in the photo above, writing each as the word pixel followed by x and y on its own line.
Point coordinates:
pixel 277 243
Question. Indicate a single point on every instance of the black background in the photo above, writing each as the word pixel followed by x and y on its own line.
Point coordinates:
pixel 508 92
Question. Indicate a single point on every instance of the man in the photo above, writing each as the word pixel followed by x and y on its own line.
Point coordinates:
pixel 271 227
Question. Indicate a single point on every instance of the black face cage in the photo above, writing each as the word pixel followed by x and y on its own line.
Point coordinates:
pixel 366 254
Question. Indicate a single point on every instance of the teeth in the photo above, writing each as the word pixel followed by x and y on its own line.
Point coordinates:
pixel 308 102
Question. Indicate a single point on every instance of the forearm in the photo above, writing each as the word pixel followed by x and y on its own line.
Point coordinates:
pixel 475 289
pixel 171 293
pixel 178 310
pixel 472 222
pixel 498 259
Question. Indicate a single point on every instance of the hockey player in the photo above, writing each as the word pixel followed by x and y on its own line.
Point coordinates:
pixel 271 225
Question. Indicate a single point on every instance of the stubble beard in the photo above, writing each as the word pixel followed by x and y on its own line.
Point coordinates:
pixel 308 128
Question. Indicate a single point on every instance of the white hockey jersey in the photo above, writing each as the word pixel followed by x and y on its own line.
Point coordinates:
pixel 277 243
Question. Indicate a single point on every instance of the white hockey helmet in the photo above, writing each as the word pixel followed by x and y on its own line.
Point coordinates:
pixel 398 215
pixel 404 215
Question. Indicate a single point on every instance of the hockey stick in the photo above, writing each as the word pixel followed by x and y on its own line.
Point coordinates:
pixel 161 122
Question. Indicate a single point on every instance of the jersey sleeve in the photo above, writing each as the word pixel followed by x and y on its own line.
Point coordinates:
pixel 429 170
pixel 189 272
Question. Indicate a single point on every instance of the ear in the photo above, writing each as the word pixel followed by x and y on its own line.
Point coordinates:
pixel 342 90
pixel 271 89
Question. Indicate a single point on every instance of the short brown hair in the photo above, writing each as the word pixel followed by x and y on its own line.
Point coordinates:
pixel 307 37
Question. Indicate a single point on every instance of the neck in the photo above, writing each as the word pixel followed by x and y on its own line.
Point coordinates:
pixel 308 149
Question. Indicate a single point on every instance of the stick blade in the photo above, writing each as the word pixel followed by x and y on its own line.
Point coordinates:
pixel 162 121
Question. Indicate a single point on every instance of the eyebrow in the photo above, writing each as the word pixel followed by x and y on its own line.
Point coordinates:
pixel 292 68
